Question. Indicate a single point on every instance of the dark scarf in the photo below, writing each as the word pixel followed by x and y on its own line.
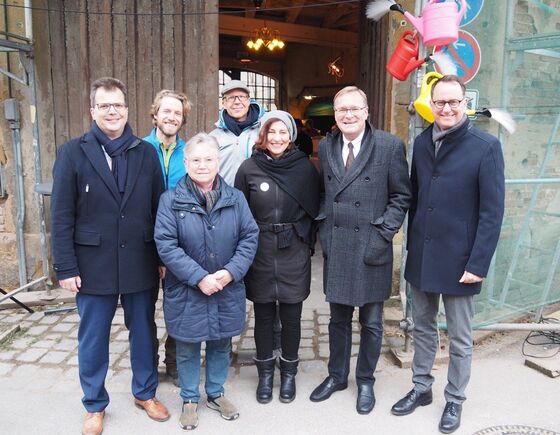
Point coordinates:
pixel 295 176
pixel 237 127
pixel 438 134
pixel 298 178
pixel 116 148
pixel 206 199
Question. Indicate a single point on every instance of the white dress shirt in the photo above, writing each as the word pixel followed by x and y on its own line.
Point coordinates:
pixel 356 143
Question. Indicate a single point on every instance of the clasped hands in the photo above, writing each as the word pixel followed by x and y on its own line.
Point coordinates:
pixel 215 282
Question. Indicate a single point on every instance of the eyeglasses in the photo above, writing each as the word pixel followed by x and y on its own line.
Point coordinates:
pixel 350 110
pixel 197 162
pixel 105 107
pixel 232 98
pixel 440 104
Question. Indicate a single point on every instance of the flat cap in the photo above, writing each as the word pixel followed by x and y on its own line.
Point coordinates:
pixel 234 84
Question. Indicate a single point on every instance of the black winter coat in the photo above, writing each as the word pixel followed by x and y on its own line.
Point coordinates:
pixel 282 275
pixel 106 240
pixel 457 210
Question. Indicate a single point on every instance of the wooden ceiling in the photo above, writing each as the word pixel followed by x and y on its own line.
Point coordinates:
pixel 325 14
pixel 313 22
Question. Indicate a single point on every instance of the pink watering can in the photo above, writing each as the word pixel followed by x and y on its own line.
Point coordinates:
pixel 439 23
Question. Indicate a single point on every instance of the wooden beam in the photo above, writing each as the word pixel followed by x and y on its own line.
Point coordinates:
pixel 348 20
pixel 330 19
pixel 294 13
pixel 245 27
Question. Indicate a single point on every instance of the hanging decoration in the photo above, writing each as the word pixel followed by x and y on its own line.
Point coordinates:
pixel 265 37
pixel 335 68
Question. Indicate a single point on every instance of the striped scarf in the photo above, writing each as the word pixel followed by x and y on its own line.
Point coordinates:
pixel 206 199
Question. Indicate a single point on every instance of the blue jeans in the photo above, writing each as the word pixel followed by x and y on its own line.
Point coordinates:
pixel 217 366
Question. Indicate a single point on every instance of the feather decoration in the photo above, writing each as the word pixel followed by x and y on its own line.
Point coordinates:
pixel 504 119
pixel 499 115
pixel 377 9
pixel 445 65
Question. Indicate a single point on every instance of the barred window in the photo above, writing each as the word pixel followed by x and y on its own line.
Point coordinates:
pixel 263 88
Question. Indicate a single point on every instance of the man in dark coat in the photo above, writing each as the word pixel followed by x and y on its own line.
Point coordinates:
pixel 367 194
pixel 106 190
pixel 454 224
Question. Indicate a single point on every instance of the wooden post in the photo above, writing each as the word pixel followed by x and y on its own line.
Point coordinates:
pixel 372 77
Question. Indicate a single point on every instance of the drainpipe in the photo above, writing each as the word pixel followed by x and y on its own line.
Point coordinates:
pixel 11 111
pixel 27 16
pixel 29 65
pixel 414 129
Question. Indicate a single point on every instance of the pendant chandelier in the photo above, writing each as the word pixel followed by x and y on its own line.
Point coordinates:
pixel 266 37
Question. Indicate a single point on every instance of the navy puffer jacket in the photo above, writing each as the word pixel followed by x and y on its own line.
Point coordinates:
pixel 193 244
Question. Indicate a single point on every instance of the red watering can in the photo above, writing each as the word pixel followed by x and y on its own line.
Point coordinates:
pixel 404 58
pixel 439 23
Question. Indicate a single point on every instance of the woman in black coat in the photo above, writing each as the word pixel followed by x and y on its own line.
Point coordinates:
pixel 282 189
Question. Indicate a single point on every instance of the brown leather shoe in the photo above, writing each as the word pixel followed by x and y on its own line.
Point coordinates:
pixel 154 408
pixel 93 423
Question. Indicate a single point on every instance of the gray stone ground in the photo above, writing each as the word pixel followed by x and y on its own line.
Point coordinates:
pixel 40 391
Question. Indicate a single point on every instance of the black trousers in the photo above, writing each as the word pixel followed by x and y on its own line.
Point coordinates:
pixel 290 317
pixel 340 341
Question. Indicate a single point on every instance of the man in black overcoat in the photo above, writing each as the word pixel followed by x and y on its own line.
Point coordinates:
pixel 453 229
pixel 105 195
pixel 367 194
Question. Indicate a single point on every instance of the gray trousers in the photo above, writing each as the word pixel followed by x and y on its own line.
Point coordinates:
pixel 459 311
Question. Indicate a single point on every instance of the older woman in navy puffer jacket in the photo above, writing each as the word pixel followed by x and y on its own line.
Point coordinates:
pixel 206 237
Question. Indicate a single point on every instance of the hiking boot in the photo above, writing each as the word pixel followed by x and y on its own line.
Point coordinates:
pixel 189 416
pixel 226 409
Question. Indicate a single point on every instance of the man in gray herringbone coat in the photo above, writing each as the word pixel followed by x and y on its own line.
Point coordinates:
pixel 367 194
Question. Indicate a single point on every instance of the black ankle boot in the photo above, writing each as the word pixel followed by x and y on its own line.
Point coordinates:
pixel 266 378
pixel 288 371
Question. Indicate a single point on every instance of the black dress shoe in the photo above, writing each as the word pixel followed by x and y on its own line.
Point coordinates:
pixel 451 417
pixel 411 401
pixel 327 387
pixel 366 399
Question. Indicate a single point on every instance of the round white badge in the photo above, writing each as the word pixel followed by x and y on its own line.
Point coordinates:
pixel 265 186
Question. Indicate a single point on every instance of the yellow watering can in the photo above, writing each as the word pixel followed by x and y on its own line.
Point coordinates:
pixel 422 103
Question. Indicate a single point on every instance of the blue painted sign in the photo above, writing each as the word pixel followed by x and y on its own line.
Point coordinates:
pixel 466 55
pixel 473 9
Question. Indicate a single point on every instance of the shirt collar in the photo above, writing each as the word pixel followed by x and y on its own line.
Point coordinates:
pixel 170 149
pixel 356 142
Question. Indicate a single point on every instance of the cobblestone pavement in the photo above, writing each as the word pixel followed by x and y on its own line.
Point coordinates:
pixel 50 341
pixel 40 391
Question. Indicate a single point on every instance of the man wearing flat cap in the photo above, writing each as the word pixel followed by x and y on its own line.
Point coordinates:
pixel 237 127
